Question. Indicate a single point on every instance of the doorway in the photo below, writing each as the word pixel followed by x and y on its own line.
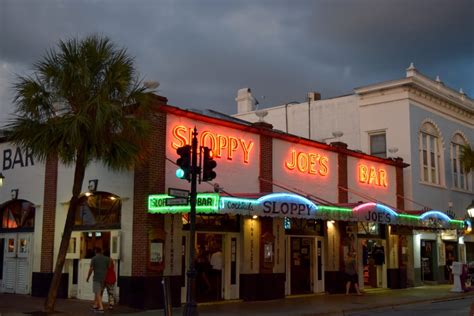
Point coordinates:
pixel 209 267
pixel 17 262
pixel 427 262
pixel 301 253
pixel 88 242
pixel 372 263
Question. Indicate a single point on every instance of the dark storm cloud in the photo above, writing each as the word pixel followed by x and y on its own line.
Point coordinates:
pixel 202 52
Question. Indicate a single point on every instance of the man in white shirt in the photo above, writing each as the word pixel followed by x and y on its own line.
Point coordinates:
pixel 216 263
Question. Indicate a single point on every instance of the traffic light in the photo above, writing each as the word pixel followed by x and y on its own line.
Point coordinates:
pixel 208 164
pixel 184 162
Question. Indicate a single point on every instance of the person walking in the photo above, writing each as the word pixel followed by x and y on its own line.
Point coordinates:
pixel 350 269
pixel 99 265
pixel 109 281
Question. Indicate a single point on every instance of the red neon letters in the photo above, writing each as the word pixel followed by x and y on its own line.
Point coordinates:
pixel 308 163
pixel 219 144
pixel 372 176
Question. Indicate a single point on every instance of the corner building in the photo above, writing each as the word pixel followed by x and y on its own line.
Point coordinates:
pixel 278 220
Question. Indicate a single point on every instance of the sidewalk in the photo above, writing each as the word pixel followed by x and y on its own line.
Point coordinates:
pixel 321 304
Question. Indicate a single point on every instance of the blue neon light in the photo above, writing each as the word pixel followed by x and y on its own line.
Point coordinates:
pixel 436 214
pixel 285 197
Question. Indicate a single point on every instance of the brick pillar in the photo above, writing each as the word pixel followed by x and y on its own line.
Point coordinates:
pixel 342 177
pixel 266 159
pixel 400 185
pixel 49 214
pixel 149 179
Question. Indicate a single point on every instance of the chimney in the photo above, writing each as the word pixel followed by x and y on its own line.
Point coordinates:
pixel 314 96
pixel 245 101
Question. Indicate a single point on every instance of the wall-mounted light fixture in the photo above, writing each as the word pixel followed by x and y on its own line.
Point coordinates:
pixel 14 193
pixel 1 179
pixel 93 185
pixel 470 210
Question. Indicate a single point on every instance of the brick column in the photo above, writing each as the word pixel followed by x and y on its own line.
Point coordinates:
pixel 342 182
pixel 149 178
pixel 49 214
pixel 400 185
pixel 266 159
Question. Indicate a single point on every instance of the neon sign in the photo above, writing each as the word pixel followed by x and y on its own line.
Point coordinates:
pixel 205 203
pixel 220 144
pixel 307 162
pixel 372 176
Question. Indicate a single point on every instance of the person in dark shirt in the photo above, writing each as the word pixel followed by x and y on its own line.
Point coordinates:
pixel 99 265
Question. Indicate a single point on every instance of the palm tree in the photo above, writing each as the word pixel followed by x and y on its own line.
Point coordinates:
pixel 467 158
pixel 84 103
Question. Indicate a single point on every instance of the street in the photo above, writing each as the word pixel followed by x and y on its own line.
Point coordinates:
pixel 455 307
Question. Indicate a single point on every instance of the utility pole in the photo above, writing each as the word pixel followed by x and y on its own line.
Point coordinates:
pixel 190 308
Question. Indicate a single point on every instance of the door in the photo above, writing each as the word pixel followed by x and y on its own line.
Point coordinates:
pixel 17 263
pixel 210 264
pixel 319 266
pixel 89 241
pixel 300 265
pixel 427 262
pixel 231 266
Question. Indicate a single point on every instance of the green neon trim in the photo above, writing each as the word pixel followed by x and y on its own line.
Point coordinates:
pixel 334 209
pixel 206 203
pixel 409 216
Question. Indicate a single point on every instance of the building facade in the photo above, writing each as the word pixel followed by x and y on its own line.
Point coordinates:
pixel 279 219
pixel 416 118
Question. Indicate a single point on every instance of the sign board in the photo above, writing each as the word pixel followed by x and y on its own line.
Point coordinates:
pixel 205 203
pixel 178 193
pixel 176 201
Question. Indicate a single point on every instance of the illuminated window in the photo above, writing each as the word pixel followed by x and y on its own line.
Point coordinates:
pixel 430 154
pixel 378 144
pixel 459 177
pixel 18 214
pixel 100 209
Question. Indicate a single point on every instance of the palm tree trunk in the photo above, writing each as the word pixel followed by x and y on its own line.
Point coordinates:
pixel 68 225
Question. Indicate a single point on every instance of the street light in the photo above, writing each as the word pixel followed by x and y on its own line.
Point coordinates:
pixel 470 210
pixel 1 179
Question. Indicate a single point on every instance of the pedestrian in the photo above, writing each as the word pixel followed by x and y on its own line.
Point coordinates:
pixel 350 269
pixel 99 265
pixel 216 263
pixel 110 279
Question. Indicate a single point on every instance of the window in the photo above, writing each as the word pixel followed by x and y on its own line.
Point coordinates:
pixel 430 154
pixel 378 145
pixel 17 214
pixel 459 177
pixel 98 210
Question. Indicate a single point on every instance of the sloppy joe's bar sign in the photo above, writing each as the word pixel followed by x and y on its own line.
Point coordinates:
pixel 273 205
pixel 223 146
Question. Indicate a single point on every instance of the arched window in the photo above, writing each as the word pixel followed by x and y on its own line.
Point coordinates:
pixel 17 215
pixel 430 154
pixel 98 210
pixel 459 176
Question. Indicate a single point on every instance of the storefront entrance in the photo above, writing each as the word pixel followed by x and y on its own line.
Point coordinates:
pixel 17 262
pixel 305 264
pixel 427 260
pixel 217 265
pixel 373 260
pixel 80 253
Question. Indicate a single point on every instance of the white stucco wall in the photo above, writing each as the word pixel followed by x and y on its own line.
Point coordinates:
pixel 324 187
pixel 362 190
pixel 26 175
pixel 233 174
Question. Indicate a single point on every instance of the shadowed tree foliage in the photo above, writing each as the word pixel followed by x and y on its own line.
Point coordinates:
pixel 467 158
pixel 84 102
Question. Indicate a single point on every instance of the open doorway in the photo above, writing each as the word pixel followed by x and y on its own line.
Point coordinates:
pixel 373 258
pixel 209 267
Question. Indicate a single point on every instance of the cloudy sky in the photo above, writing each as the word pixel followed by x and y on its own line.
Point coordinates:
pixel 203 51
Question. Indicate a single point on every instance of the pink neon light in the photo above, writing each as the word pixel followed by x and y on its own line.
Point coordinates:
pixel 364 205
